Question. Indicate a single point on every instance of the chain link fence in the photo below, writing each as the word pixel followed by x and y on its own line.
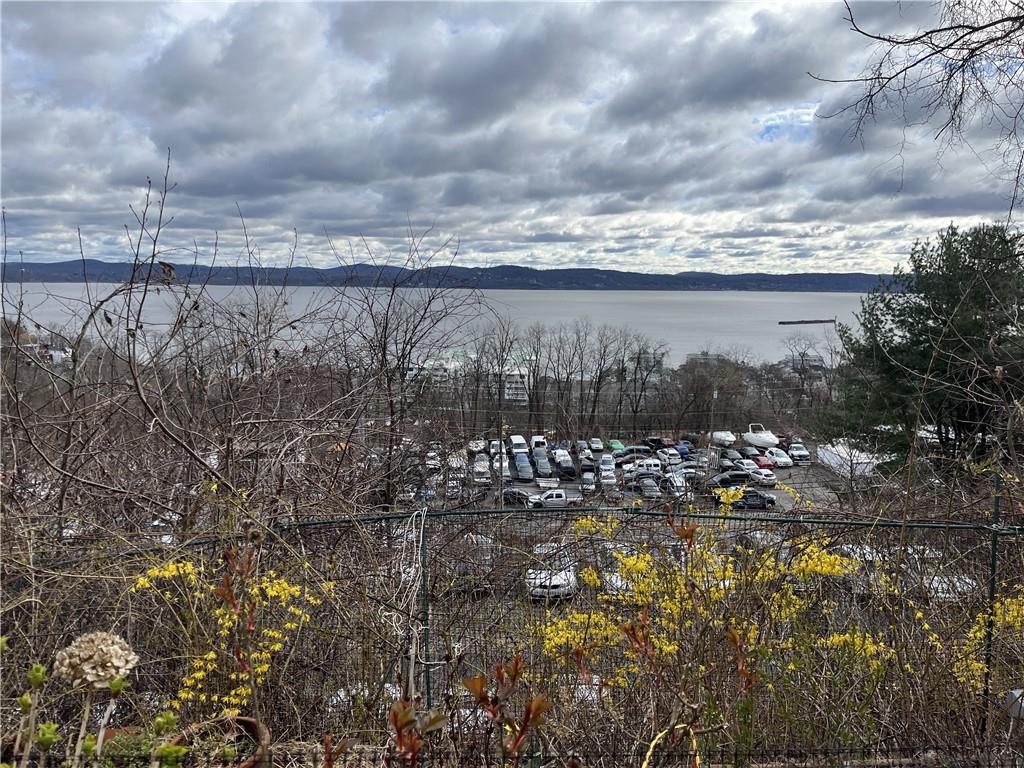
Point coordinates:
pixel 793 639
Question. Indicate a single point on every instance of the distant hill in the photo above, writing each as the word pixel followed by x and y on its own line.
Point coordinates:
pixel 520 278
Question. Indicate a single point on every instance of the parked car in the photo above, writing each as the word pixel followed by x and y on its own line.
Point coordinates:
pixel 649 488
pixel 724 462
pixel 656 442
pixel 642 465
pixel 538 441
pixel 564 466
pixel 749 452
pixel 482 470
pixel 494 448
pixel 632 479
pixel 683 449
pixel 556 498
pixel 779 457
pixel 764 477
pixel 518 444
pixel 628 459
pixel 746 465
pixel 688 469
pixel 475 447
pixel 503 466
pixel 675 486
pixel 582 449
pixel 524 470
pixel 613 581
pixel 754 499
pixel 607 462
pixel 731 479
pixel 608 477
pixel 588 482
pixel 596 446
pixel 515 497
pixel 552 574
pixel 669 456
pixel 541 464
pixel 645 449
pixel 614 445
pixel 763 462
pixel 799 455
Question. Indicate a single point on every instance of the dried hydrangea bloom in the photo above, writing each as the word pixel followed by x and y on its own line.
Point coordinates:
pixel 95 659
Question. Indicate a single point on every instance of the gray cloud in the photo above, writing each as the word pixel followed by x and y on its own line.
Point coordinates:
pixel 654 137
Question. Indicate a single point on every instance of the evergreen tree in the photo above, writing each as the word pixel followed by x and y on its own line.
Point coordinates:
pixel 941 346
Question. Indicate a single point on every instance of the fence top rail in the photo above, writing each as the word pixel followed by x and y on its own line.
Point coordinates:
pixel 1001 530
pixel 998 530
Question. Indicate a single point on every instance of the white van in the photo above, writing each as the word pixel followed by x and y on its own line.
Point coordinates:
pixel 641 465
pixel 517 444
pixel 538 441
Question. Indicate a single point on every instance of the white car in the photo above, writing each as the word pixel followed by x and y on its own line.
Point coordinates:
pixel 560 454
pixel 779 457
pixel 675 486
pixel 763 477
pixel 596 445
pixel 612 580
pixel 477 446
pixel 608 477
pixel 746 465
pixel 607 462
pixel 552 576
pixel 669 457
pixel 583 449
pixel 642 465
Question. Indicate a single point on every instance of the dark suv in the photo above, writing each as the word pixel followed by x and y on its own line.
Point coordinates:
pixel 729 480
pixel 754 499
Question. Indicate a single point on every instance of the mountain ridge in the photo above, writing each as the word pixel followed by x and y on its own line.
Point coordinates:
pixel 498 277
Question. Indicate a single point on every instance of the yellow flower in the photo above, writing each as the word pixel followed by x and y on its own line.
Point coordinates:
pixel 590 577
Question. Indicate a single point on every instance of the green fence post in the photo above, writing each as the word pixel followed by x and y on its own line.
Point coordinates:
pixel 989 624
pixel 425 578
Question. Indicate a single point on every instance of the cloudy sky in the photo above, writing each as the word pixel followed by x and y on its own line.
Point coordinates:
pixel 650 137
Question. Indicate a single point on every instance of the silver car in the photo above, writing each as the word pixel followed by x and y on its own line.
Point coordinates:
pixel 552 576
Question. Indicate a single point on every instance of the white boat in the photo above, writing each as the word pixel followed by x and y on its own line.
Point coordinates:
pixel 724 438
pixel 759 437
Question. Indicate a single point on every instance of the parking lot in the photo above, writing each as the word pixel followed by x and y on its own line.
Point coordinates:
pixel 624 476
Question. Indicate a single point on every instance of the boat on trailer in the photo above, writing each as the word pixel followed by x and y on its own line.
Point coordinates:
pixel 723 437
pixel 759 437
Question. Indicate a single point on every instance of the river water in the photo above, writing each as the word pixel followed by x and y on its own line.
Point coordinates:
pixel 740 323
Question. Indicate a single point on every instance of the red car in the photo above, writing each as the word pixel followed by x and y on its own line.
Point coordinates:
pixel 763 462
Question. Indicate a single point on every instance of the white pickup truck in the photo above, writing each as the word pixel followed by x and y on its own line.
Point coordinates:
pixel 557 497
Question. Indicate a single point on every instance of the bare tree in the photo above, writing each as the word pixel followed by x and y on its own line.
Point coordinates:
pixel 962 71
